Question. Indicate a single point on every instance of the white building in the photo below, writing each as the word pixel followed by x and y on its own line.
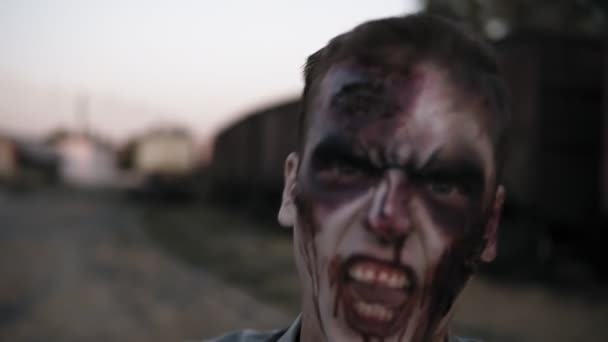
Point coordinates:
pixel 168 152
pixel 86 161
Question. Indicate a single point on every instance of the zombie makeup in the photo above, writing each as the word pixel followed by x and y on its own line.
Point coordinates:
pixel 393 192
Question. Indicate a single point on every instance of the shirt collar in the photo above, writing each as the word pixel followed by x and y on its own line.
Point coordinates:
pixel 292 333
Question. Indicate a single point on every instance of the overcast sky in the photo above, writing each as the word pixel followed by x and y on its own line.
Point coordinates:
pixel 199 63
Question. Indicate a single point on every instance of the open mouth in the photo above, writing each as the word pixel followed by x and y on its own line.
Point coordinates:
pixel 374 295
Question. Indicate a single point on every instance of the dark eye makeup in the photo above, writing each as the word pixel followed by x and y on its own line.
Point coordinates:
pixel 334 160
pixel 445 177
pixel 336 163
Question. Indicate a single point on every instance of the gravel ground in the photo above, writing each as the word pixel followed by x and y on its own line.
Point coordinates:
pixel 79 267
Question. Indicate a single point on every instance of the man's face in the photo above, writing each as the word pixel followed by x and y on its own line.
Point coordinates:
pixel 393 202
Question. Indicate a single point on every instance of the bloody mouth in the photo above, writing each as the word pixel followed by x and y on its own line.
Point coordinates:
pixel 374 295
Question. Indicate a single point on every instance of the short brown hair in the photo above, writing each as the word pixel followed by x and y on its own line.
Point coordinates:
pixel 418 37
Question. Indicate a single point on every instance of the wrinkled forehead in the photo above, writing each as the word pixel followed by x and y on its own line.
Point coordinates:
pixel 415 113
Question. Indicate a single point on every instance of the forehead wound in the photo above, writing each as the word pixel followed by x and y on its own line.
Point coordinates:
pixel 357 95
pixel 365 100
pixel 422 105
pixel 356 92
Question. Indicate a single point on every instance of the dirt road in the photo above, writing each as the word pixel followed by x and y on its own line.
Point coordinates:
pixel 78 267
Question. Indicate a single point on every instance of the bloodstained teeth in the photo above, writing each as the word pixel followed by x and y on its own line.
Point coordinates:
pixel 369 274
pixel 374 311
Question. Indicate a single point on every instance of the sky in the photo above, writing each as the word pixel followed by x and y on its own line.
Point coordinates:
pixel 201 64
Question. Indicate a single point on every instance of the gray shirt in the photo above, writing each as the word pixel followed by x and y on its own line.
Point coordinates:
pixel 290 334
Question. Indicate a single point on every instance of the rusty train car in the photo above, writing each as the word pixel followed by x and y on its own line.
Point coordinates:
pixel 557 163
pixel 247 163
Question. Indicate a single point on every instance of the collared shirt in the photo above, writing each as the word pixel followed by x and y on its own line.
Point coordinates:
pixel 291 334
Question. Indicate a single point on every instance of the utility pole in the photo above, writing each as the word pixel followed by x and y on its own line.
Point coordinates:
pixel 81 110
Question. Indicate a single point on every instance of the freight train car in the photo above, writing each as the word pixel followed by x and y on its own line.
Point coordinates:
pixel 556 147
pixel 555 159
pixel 555 167
pixel 556 162
pixel 247 163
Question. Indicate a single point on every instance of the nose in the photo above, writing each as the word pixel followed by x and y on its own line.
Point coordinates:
pixel 388 218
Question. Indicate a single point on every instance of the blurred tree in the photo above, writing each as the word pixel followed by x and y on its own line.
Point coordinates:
pixel 56 136
pixel 125 154
pixel 496 18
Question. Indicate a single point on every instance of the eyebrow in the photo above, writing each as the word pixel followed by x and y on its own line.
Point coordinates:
pixel 335 146
pixel 352 88
pixel 461 166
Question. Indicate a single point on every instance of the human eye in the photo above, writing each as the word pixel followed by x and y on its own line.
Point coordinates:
pixel 448 191
pixel 335 166
pixel 442 187
pixel 341 172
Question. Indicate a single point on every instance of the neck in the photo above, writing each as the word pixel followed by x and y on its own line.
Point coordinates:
pixel 441 336
pixel 310 331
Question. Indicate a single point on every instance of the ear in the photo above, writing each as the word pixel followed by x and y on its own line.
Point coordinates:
pixel 287 212
pixel 489 252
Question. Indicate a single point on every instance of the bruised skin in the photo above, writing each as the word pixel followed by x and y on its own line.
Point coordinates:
pixel 396 179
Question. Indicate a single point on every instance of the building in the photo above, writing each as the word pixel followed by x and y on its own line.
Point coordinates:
pixel 161 163
pixel 167 152
pixel 85 160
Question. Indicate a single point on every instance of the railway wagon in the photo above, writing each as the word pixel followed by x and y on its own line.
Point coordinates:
pixel 557 160
pixel 247 162
pixel 555 155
